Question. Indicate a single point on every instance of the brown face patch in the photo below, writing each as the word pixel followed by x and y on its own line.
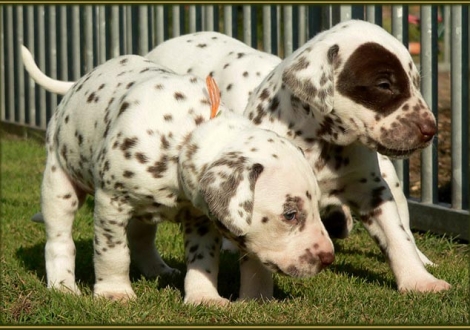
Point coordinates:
pixel 294 212
pixel 374 78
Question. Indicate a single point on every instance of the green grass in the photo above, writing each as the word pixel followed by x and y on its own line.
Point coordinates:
pixel 357 289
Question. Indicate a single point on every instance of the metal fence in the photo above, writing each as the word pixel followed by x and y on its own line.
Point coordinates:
pixel 69 40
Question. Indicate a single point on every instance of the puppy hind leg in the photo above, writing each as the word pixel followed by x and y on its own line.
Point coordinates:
pixel 144 254
pixel 60 200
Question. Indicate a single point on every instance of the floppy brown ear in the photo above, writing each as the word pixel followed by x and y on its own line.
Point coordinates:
pixel 309 74
pixel 227 187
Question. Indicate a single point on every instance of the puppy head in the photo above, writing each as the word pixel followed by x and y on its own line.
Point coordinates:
pixel 263 196
pixel 375 99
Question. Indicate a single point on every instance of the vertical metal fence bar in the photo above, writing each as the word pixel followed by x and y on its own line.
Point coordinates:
pixel 192 19
pixel 288 32
pixel 428 61
pixel 76 57
pixel 30 82
pixel 2 64
pixel 345 13
pixel 175 19
pixel 143 30
pixel 209 18
pixel 52 54
pixel 101 24
pixel 10 69
pixel 40 53
pixel 374 14
pixel 267 45
pixel 127 26
pixel 114 30
pixel 63 32
pixel 152 27
pixel 255 13
pixel 19 84
pixel 276 27
pixel 459 92
pixel 228 21
pixel 446 37
pixel 89 53
pixel 160 26
pixel 247 25
pixel 302 25
pixel 400 31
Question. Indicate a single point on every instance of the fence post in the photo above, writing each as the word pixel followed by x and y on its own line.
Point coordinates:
pixel 459 97
pixel 288 32
pixel 428 62
pixel 228 21
pixel 77 49
pixel 20 100
pixel 400 31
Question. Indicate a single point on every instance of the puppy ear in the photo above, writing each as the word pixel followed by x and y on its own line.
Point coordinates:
pixel 227 188
pixel 309 74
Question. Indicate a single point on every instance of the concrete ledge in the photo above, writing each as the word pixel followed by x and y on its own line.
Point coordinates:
pixel 441 219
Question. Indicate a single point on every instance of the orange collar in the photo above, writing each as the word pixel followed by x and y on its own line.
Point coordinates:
pixel 214 95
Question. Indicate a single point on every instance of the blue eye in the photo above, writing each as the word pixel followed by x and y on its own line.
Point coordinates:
pixel 290 215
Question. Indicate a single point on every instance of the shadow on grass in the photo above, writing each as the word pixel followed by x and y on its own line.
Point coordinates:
pixel 33 260
pixel 367 275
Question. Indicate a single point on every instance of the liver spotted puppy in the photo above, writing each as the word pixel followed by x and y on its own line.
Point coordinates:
pixel 350 99
pixel 138 137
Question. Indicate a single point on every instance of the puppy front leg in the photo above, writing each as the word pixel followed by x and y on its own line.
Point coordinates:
pixel 384 225
pixel 202 247
pixel 256 282
pixel 390 176
pixel 111 257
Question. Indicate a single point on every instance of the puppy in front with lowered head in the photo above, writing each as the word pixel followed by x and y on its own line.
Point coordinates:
pixel 140 139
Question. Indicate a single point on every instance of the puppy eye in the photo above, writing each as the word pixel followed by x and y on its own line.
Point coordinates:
pixel 290 215
pixel 384 84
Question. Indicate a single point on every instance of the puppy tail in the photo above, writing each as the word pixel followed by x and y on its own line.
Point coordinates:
pixel 52 85
pixel 38 218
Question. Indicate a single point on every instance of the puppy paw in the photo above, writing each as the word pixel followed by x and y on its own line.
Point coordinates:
pixel 206 300
pixel 70 288
pixel 157 269
pixel 434 285
pixel 121 297
pixel 115 292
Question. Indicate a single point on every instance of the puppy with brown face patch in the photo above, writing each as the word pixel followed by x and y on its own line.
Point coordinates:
pixel 350 99
pixel 138 137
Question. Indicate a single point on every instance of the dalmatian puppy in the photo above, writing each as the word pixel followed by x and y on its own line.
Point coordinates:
pixel 138 137
pixel 350 99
